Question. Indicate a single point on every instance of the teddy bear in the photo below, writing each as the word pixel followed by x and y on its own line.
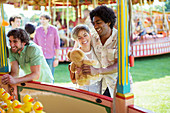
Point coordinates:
pixel 78 58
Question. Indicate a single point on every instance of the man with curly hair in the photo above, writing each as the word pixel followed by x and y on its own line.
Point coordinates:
pixel 105 48
pixel 29 57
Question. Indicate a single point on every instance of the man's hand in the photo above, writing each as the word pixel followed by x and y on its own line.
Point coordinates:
pixel 55 63
pixel 8 79
pixel 78 70
pixel 89 70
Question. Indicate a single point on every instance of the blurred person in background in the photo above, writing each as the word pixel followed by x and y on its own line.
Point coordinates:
pixel 14 22
pixel 30 29
pixel 47 37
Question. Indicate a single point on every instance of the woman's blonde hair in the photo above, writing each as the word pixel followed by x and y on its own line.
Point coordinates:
pixel 78 28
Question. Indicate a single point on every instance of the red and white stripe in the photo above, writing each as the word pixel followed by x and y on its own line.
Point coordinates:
pixel 138 50
pixel 150 49
pixel 63 53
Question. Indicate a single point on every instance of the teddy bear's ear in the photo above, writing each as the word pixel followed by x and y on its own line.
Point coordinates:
pixel 68 55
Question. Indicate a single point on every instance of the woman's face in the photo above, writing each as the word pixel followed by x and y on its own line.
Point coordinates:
pixel 84 38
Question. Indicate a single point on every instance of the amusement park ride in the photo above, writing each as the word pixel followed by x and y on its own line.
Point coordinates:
pixel 58 99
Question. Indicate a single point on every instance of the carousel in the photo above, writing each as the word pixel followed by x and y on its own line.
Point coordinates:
pixel 57 99
pixel 150 30
pixel 151 37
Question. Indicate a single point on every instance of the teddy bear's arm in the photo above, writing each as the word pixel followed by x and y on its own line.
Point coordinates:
pixel 68 55
pixel 72 67
pixel 72 75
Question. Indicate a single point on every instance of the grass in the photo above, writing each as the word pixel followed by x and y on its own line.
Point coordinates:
pixel 151 77
pixel 153 94
pixel 151 82
pixel 148 68
pixel 62 74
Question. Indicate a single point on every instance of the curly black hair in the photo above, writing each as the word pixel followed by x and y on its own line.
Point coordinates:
pixel 105 13
pixel 19 33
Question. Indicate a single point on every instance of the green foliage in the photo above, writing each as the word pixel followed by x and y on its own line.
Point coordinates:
pixel 71 13
pixel 167 6
pixel 22 15
pixel 158 8
pixel 34 18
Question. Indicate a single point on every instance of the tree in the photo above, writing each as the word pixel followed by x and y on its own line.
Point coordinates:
pixel 158 8
pixel 167 6
pixel 35 18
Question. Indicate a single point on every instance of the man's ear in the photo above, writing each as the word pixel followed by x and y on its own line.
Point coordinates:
pixel 109 23
pixel 12 22
pixel 49 20
pixel 23 43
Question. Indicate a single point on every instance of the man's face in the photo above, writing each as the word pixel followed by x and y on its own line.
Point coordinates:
pixel 100 26
pixel 16 45
pixel 44 21
pixel 16 23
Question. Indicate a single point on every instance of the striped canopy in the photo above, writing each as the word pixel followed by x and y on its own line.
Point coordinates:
pixel 73 2
pixel 162 0
pixel 137 1
pixel 60 2
pixel 3 1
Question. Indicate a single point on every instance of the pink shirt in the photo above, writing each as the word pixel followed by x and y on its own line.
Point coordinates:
pixel 49 42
